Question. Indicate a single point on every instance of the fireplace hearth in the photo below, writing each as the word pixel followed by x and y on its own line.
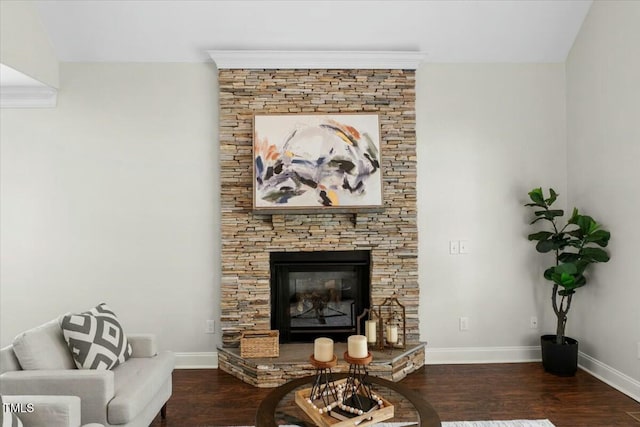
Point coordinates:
pixel 318 293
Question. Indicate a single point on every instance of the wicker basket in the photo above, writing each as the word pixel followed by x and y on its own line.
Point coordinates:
pixel 260 344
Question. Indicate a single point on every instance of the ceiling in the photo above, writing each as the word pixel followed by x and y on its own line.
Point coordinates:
pixel 182 31
pixel 14 78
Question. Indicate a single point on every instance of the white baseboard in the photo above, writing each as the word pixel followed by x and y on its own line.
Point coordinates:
pixel 609 375
pixel 197 360
pixel 460 355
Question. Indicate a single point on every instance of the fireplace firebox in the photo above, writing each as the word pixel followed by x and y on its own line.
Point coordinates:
pixel 318 293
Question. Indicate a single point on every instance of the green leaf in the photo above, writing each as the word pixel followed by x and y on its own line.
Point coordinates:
pixel 561 240
pixel 541 235
pixel 587 224
pixel 552 198
pixel 549 214
pixel 599 237
pixel 568 257
pixel 539 218
pixel 566 292
pixel 537 197
pixel 582 264
pixel 577 233
pixel 549 272
pixel 574 216
pixel 595 254
pixel 545 246
pixel 575 243
pixel 567 268
pixel 565 280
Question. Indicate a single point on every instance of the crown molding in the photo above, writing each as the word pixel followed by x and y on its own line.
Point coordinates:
pixel 28 97
pixel 309 59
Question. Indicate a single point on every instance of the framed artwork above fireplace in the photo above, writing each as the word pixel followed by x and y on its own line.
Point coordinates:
pixel 308 162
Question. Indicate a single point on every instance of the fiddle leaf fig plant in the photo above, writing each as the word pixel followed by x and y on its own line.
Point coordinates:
pixel 576 245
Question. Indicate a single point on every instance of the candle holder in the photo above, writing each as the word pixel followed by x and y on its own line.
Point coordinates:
pixel 355 396
pixel 391 333
pixel 356 403
pixel 323 389
pixel 392 324
pixel 371 328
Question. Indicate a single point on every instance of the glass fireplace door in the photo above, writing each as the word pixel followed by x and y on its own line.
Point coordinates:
pixel 322 299
pixel 318 299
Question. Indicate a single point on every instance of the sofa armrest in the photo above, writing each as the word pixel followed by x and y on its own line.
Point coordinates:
pixel 47 411
pixel 94 388
pixel 8 360
pixel 143 345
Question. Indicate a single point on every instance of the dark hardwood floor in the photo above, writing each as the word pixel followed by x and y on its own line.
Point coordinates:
pixel 206 398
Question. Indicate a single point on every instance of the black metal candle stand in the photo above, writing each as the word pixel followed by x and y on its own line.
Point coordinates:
pixel 323 390
pixel 357 396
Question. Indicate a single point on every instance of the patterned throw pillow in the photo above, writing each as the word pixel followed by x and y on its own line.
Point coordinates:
pixel 96 339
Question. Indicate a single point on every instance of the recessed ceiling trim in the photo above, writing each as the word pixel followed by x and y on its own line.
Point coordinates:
pixel 281 59
pixel 28 97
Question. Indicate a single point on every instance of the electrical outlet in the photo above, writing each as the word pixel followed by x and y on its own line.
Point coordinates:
pixel 464 323
pixel 454 247
pixel 464 246
pixel 211 327
pixel 534 322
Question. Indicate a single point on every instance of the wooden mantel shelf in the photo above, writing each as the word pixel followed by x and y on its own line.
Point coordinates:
pixel 358 216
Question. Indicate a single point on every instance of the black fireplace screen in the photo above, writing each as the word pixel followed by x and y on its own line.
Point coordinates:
pixel 322 298
pixel 318 293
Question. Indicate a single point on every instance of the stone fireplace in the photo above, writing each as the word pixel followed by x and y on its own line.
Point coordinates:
pixel 250 239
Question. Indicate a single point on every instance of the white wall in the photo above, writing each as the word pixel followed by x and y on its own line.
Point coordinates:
pixel 113 196
pixel 24 43
pixel 487 134
pixel 603 105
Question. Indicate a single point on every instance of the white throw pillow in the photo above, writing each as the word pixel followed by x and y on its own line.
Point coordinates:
pixel 43 347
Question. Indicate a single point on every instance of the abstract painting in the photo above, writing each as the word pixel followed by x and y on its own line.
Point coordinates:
pixel 316 161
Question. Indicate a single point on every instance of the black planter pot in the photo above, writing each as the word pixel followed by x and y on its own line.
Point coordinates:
pixel 559 359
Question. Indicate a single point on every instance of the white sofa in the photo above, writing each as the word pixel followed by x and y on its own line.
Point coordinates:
pixel 45 411
pixel 129 395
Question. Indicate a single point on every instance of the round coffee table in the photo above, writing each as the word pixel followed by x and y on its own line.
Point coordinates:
pixel 279 406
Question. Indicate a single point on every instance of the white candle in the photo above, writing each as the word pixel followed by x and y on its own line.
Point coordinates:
pixel 392 334
pixel 357 346
pixel 370 331
pixel 323 349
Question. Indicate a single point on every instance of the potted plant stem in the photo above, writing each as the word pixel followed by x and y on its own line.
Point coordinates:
pixel 575 246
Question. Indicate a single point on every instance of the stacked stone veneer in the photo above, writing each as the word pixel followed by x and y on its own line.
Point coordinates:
pixel 248 237
pixel 272 372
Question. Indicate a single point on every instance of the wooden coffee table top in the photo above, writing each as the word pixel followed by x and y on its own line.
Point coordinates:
pixel 265 417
